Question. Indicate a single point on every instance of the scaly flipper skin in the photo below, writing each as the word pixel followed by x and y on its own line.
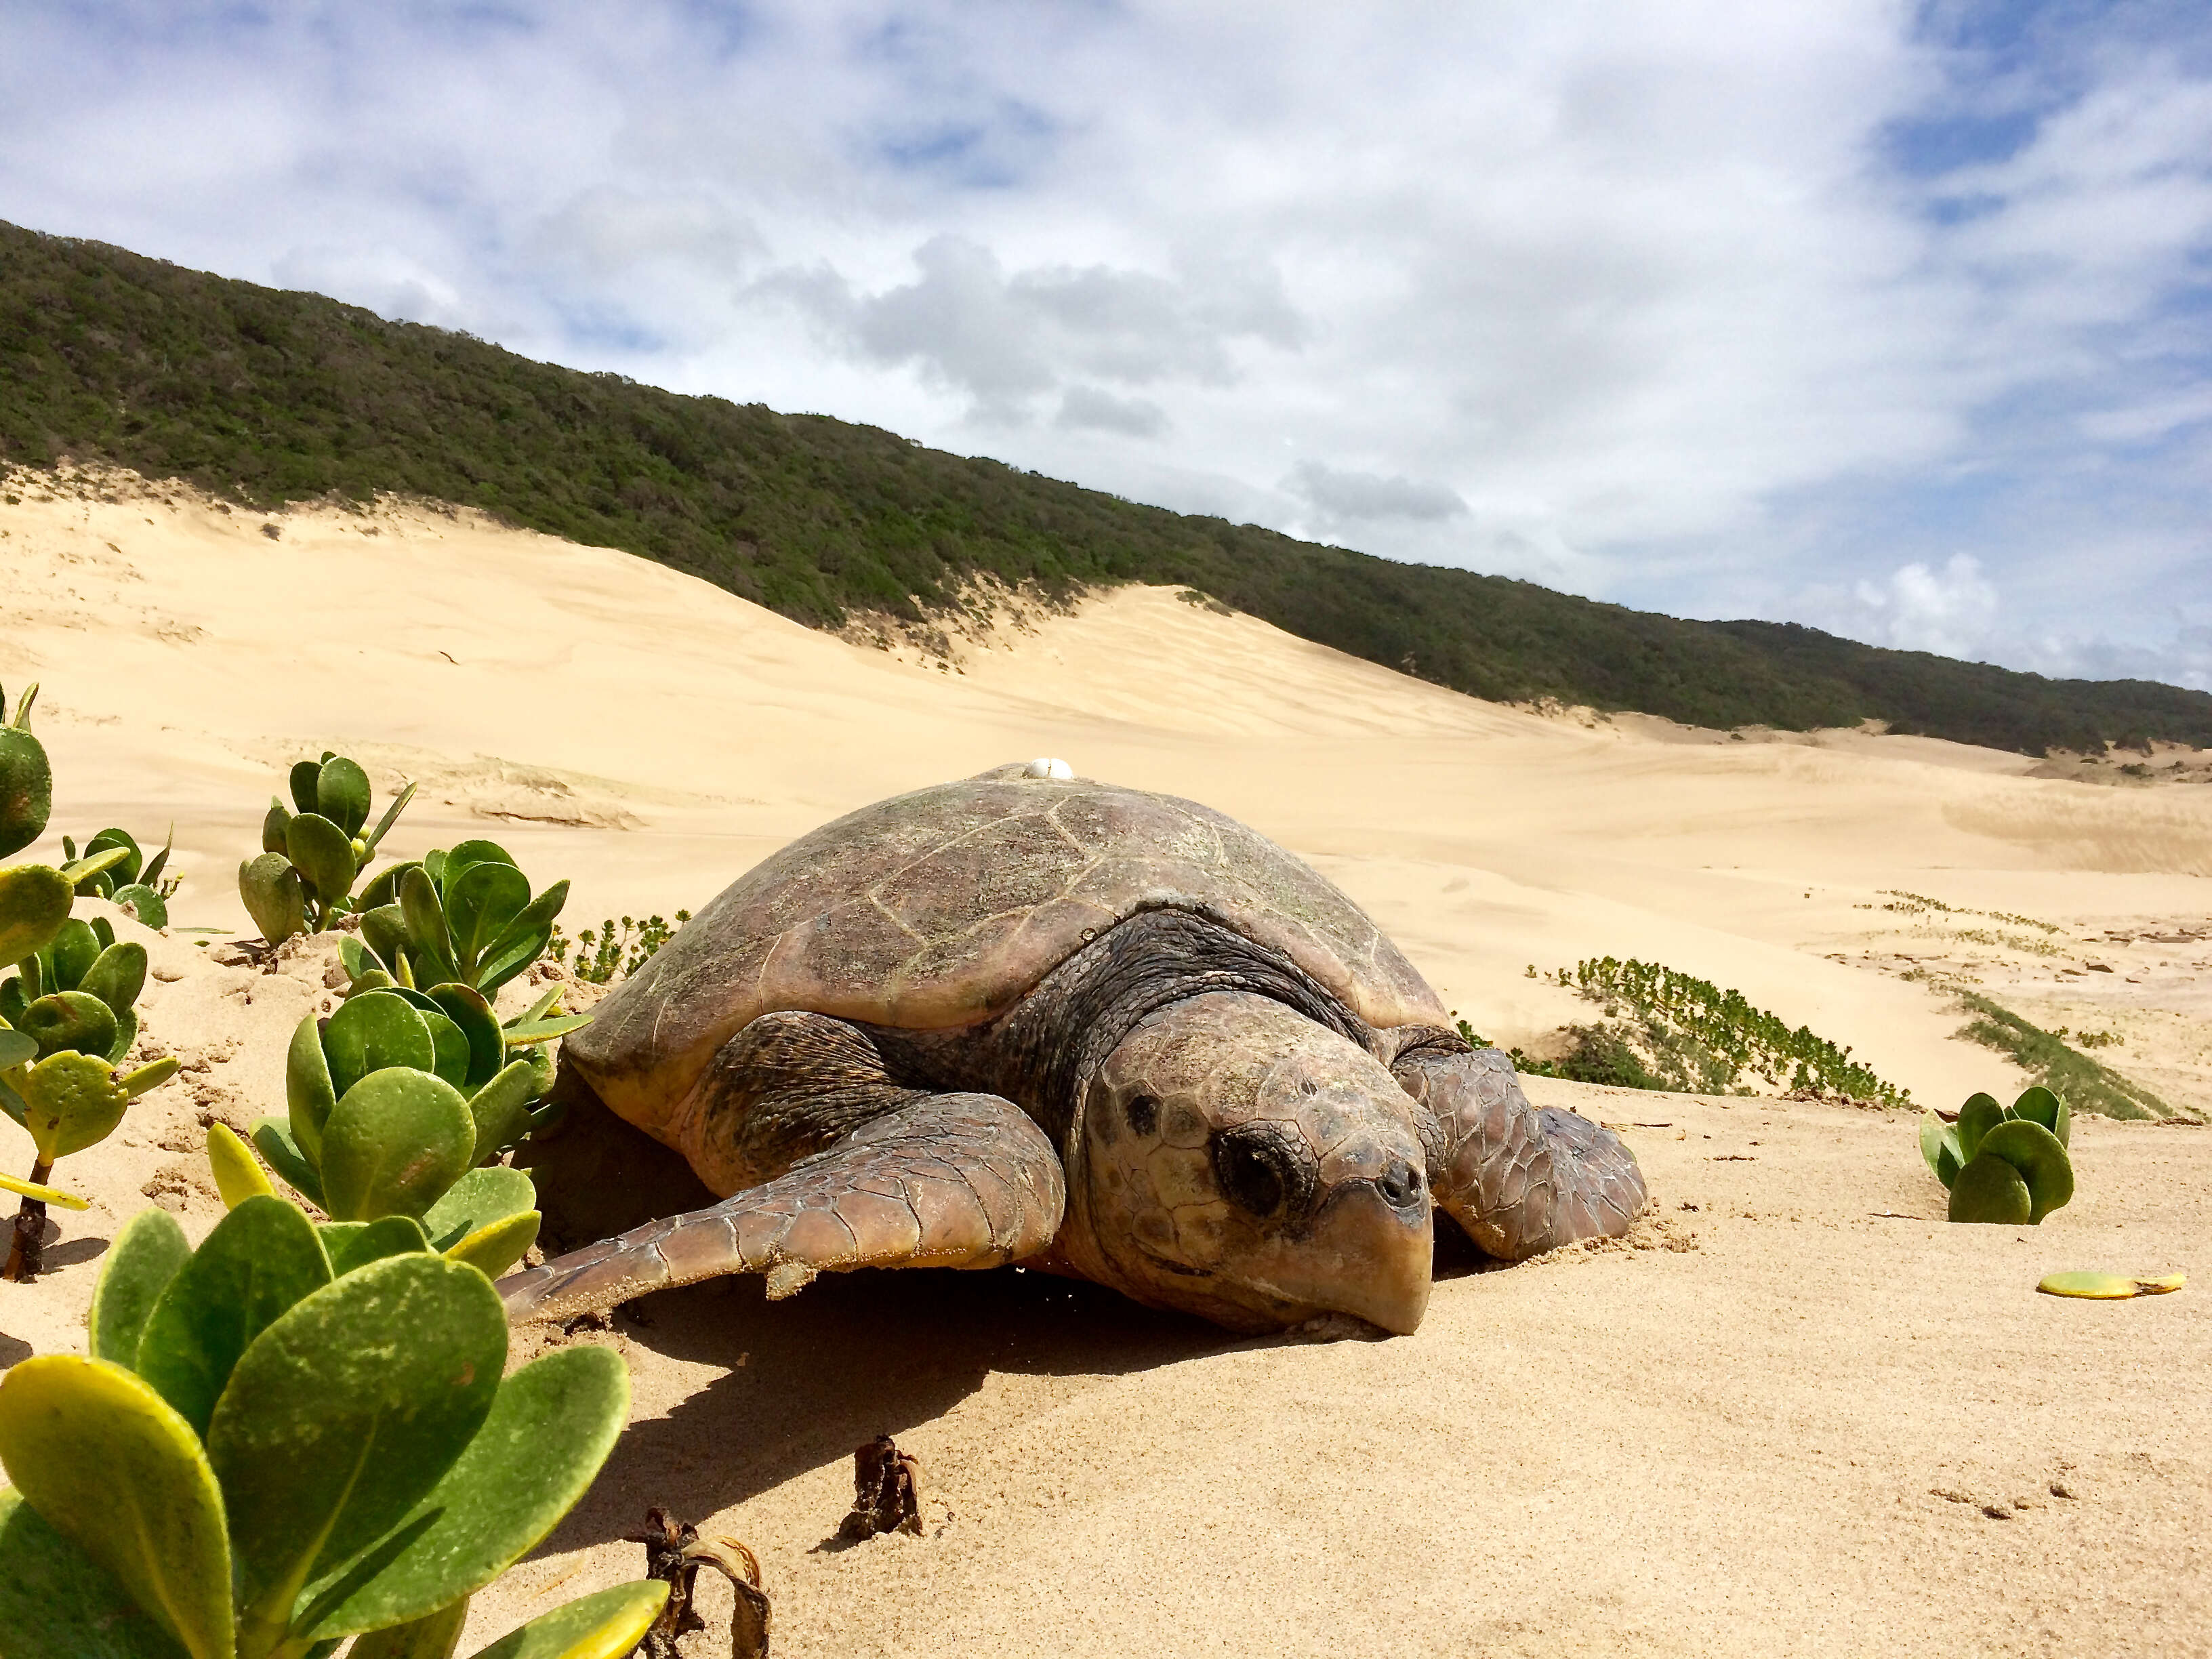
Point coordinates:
pixel 1519 1181
pixel 950 1181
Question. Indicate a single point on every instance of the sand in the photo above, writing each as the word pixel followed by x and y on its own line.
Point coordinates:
pixel 1794 1414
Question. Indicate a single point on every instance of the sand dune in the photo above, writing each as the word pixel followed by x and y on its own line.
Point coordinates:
pixel 1729 1440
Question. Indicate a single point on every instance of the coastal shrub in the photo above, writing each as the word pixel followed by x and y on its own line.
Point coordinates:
pixel 461 916
pixel 137 884
pixel 2089 1084
pixel 398 1106
pixel 2003 1164
pixel 303 880
pixel 601 955
pixel 1719 1036
pixel 288 1436
pixel 68 1019
pixel 27 779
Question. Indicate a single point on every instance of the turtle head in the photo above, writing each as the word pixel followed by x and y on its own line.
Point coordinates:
pixel 1239 1161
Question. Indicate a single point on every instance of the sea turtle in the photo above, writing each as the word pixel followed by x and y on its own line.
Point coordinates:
pixel 1030 1017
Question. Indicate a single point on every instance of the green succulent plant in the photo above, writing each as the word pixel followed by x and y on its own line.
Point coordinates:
pixel 463 916
pixel 26 780
pixel 303 880
pixel 291 1436
pixel 397 1104
pixel 136 883
pixel 67 1019
pixel 2004 1164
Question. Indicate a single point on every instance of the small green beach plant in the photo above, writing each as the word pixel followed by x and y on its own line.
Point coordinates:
pixel 68 1019
pixel 291 1436
pixel 137 884
pixel 463 916
pixel 303 880
pixel 2007 1165
pixel 1723 1036
pixel 602 956
pixel 399 1105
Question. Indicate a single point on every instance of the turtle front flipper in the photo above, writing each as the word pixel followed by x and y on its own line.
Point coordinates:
pixel 1520 1182
pixel 948 1181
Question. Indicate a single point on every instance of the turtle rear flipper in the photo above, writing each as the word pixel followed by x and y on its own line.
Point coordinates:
pixel 948 1181
pixel 1518 1181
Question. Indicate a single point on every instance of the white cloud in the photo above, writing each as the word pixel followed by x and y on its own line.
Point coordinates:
pixel 1715 306
pixel 1948 612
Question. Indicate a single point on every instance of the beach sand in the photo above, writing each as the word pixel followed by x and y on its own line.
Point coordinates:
pixel 1793 1414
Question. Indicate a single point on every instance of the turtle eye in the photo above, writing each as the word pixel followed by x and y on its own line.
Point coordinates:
pixel 1265 1169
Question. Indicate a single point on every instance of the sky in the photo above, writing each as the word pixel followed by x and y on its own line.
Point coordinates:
pixel 1893 319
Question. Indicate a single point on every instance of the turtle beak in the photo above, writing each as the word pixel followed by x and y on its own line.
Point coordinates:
pixel 1367 1251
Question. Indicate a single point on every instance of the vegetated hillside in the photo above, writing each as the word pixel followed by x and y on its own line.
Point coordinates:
pixel 267 397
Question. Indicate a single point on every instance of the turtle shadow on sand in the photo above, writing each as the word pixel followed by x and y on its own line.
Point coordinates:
pixel 795 1385
pixel 799 1382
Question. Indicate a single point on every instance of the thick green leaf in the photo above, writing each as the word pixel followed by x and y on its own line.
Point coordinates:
pixel 605 1625
pixel 524 940
pixel 74 951
pixel 306 776
pixel 144 902
pixel 1988 1189
pixel 391 815
pixel 434 1635
pixel 149 1250
pixel 551 1428
pixel 57 1602
pixel 371 1031
pixel 354 1244
pixel 480 903
pixel 494 1250
pixel 502 1107
pixel 71 1102
pixel 449 1044
pixel 260 1259
pixel 427 931
pixel 71 1020
pixel 522 1033
pixel 34 903
pixel 272 1139
pixel 151 875
pixel 1980 1114
pixel 134 860
pixel 398 1139
pixel 274 896
pixel 1932 1131
pixel 116 976
pixel 341 1416
pixel 238 1175
pixel 479 1198
pixel 462 856
pixel 309 1095
pixel 26 790
pixel 2038 1105
pixel 272 827
pixel 108 1465
pixel 322 853
pixel 16 1049
pixel 342 794
pixel 469 1010
pixel 2042 1161
pixel 383 889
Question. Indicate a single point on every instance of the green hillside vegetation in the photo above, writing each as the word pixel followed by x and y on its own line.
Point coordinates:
pixel 266 396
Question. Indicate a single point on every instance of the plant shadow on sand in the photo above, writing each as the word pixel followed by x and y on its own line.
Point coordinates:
pixel 801 1382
